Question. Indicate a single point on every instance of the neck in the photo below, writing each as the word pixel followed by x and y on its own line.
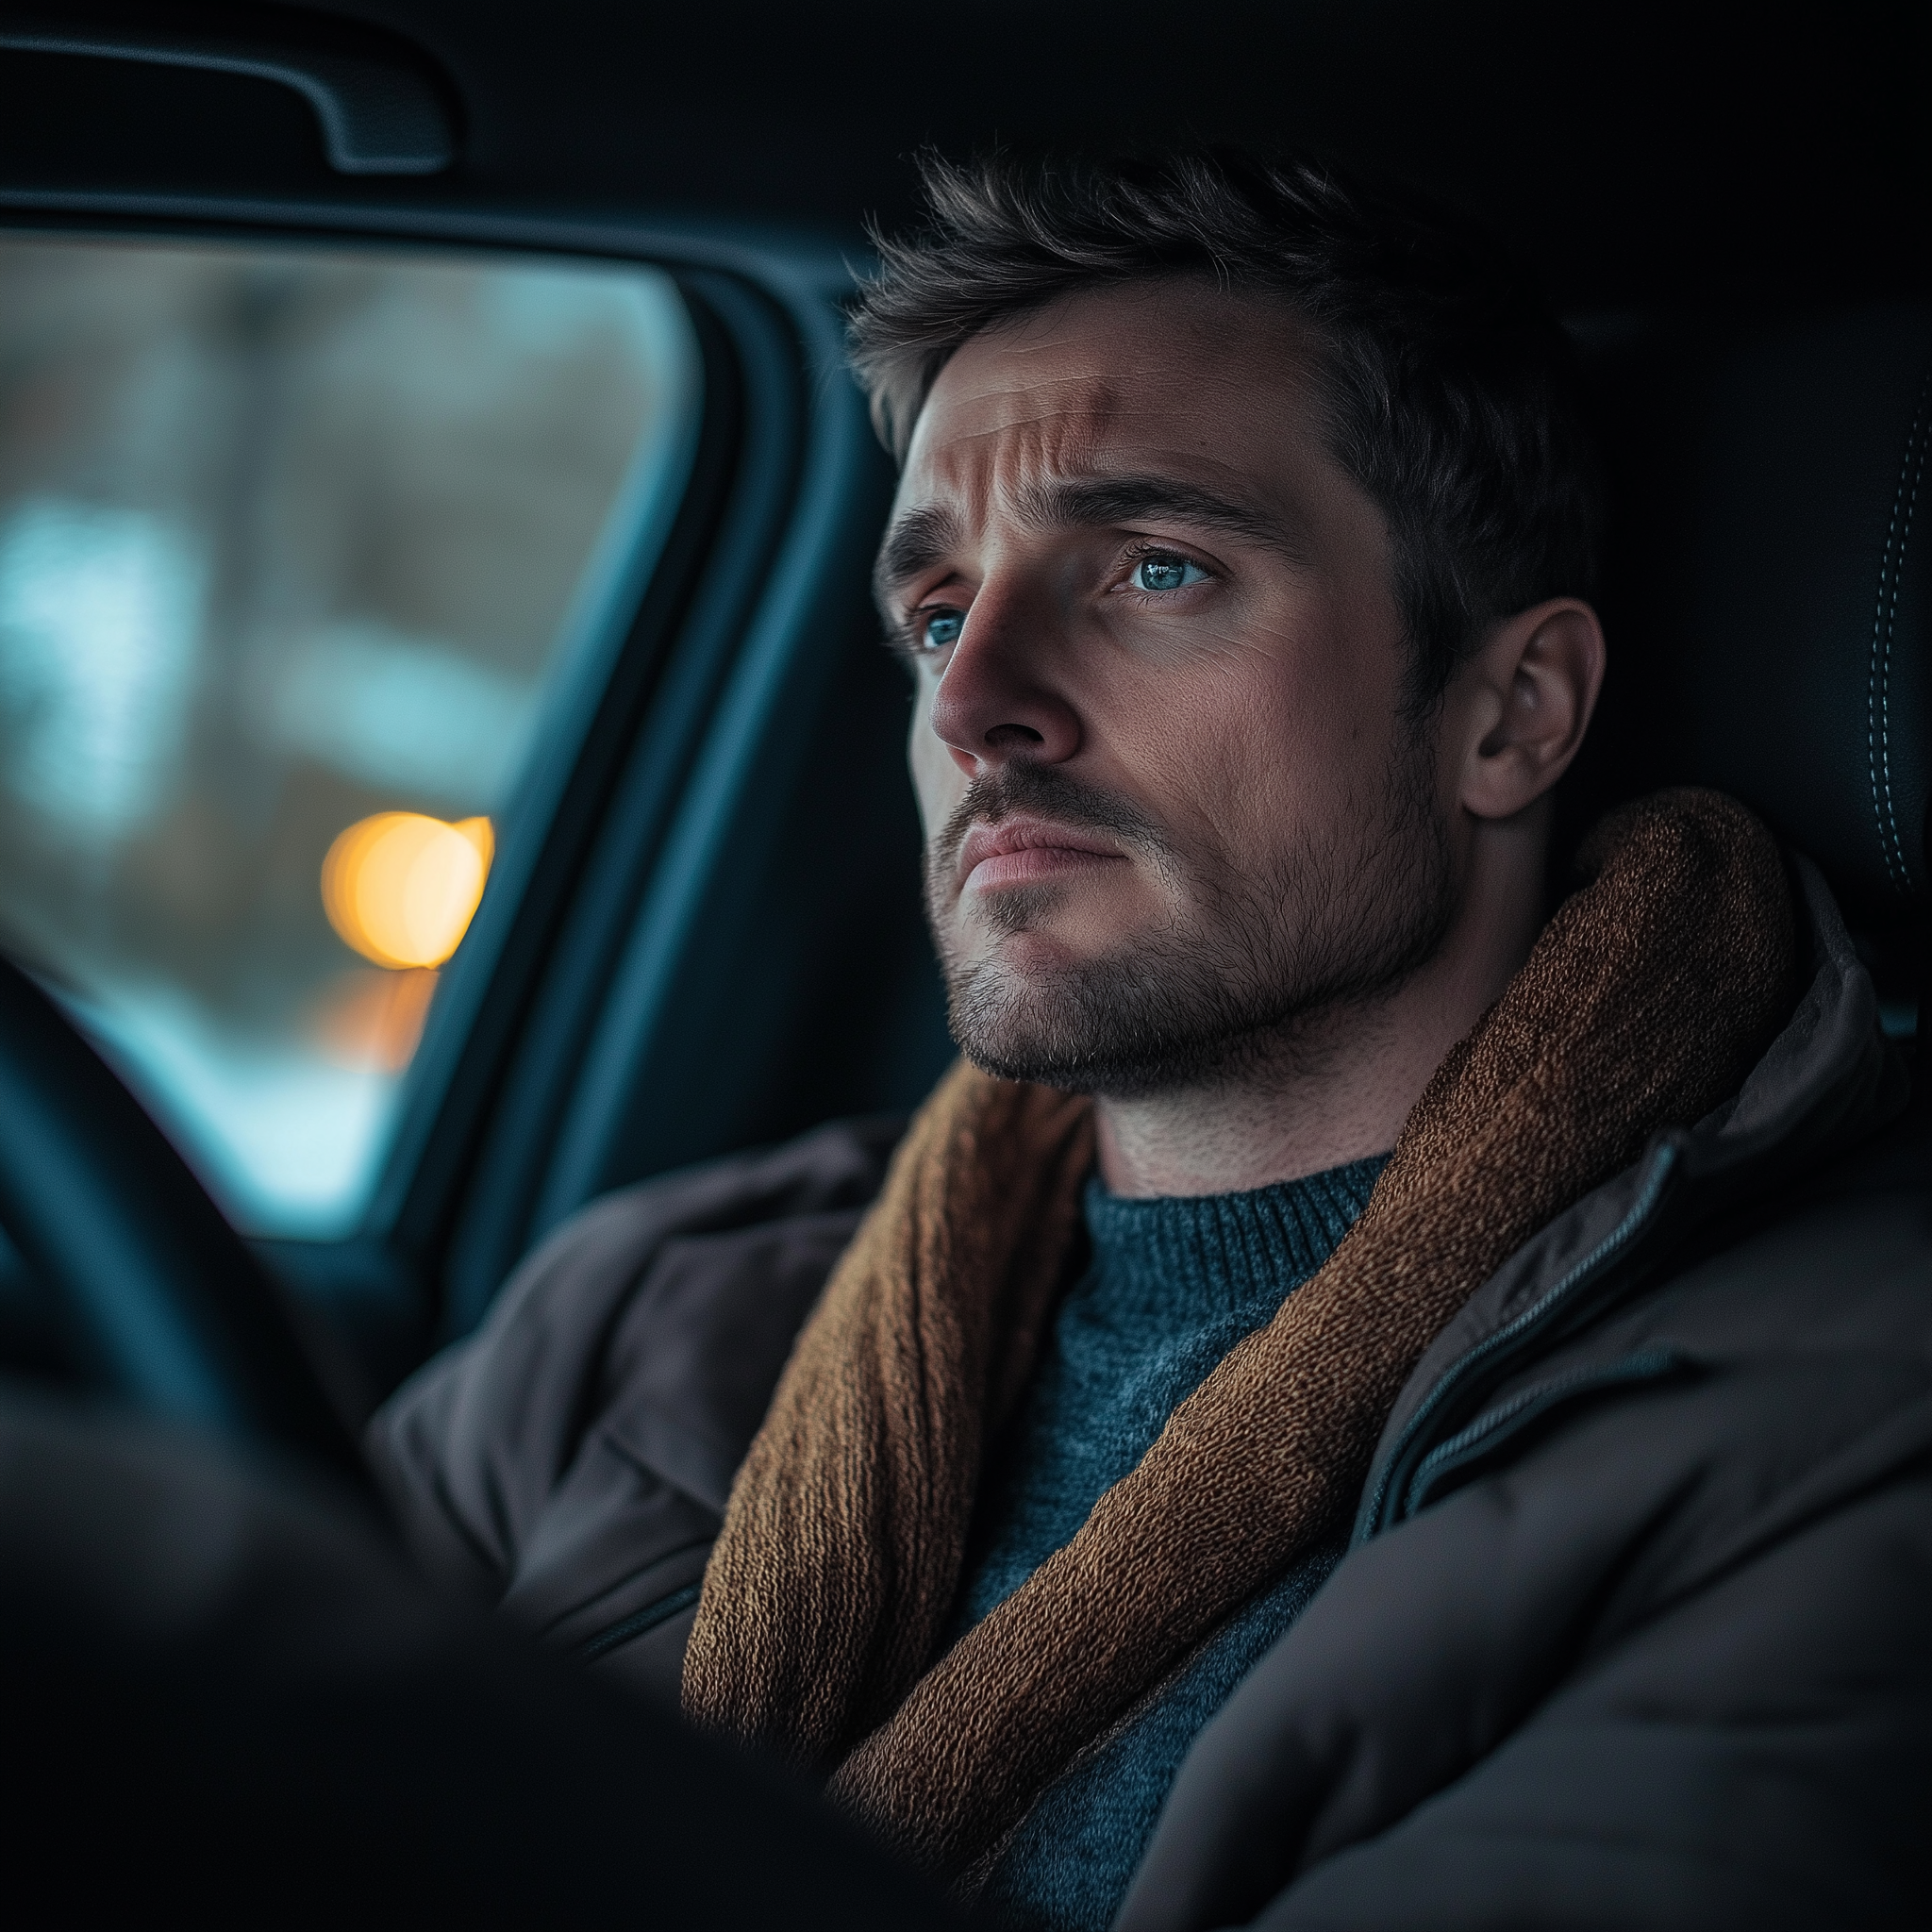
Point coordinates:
pixel 1338 1086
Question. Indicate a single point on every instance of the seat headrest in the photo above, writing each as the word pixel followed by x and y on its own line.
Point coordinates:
pixel 1766 584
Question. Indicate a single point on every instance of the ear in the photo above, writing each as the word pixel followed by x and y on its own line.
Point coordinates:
pixel 1523 703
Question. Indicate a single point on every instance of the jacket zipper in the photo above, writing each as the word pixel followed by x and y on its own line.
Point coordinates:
pixel 1382 1506
pixel 638 1622
pixel 1491 1431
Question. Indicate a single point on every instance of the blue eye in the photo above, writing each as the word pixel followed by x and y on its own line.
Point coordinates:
pixel 942 628
pixel 1166 573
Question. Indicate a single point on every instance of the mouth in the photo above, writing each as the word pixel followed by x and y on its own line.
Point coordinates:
pixel 1025 851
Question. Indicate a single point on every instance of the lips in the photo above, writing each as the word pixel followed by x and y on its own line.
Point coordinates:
pixel 1022 850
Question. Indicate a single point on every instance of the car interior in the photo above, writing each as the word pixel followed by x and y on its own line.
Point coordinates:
pixel 448 768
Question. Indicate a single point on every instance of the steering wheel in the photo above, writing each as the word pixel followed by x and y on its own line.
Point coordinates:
pixel 156 1295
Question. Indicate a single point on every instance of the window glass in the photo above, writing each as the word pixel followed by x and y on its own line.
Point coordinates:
pixel 297 550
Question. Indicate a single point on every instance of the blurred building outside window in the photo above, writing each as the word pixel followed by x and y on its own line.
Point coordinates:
pixel 296 548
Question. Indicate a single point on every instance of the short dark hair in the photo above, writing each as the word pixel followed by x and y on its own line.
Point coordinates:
pixel 1450 393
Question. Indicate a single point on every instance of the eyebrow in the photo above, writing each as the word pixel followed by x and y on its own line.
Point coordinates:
pixel 917 540
pixel 924 536
pixel 1099 501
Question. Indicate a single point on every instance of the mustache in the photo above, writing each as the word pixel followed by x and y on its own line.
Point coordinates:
pixel 1051 792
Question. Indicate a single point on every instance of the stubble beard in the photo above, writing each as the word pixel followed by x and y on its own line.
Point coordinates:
pixel 1251 978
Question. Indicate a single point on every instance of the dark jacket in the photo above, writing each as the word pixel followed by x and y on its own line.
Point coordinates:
pixel 1637 1625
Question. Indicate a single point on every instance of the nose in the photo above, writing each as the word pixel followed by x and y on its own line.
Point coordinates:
pixel 1000 700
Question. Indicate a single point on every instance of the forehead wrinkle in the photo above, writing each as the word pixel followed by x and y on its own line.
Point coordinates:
pixel 1047 433
pixel 1079 405
pixel 981 467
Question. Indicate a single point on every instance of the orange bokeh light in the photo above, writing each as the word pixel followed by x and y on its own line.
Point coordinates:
pixel 401 886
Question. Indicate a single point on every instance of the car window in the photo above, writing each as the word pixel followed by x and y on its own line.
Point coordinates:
pixel 297 550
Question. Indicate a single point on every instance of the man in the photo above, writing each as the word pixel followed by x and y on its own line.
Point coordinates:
pixel 1304 1431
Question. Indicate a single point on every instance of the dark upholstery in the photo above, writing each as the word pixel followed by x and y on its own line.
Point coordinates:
pixel 1766 595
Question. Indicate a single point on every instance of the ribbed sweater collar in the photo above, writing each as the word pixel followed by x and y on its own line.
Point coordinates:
pixel 1194 1254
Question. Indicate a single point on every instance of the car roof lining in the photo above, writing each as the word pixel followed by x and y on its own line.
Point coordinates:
pixel 1636 152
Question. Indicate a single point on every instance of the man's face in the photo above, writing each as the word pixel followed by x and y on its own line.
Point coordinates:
pixel 1173 806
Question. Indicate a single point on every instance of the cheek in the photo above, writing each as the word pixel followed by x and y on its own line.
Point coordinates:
pixel 937 780
pixel 1248 748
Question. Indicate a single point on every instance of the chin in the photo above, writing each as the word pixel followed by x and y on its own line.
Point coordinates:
pixel 1030 967
pixel 1056 1027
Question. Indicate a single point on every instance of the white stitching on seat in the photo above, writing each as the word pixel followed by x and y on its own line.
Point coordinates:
pixel 1884 624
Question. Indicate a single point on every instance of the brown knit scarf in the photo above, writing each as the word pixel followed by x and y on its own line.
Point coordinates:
pixel 1644 1003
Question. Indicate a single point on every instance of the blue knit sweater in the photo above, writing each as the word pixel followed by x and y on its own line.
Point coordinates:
pixel 1173 1286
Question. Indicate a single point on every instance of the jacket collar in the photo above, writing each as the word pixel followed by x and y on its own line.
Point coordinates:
pixel 1829 1079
